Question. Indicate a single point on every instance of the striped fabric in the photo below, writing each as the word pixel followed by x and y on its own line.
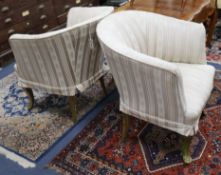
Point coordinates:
pixel 141 49
pixel 64 61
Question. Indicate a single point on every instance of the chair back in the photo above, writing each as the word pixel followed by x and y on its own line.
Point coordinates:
pixel 160 36
pixel 64 60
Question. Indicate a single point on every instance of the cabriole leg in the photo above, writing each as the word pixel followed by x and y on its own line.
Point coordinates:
pixel 211 27
pixel 125 126
pixel 73 108
pixel 30 95
pixel 103 85
pixel 186 141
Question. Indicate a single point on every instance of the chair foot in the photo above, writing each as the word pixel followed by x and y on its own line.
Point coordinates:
pixel 103 85
pixel 125 126
pixel 73 108
pixel 30 95
pixel 186 141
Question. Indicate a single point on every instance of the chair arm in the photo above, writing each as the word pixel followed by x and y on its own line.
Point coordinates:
pixel 146 59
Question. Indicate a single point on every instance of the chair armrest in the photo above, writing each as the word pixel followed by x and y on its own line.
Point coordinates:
pixel 143 58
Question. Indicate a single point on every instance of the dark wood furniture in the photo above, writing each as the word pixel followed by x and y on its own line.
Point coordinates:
pixel 32 16
pixel 202 11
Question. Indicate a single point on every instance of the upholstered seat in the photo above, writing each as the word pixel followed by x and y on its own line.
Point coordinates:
pixel 64 61
pixel 197 85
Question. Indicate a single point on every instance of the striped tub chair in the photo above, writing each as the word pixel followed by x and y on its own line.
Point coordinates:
pixel 159 67
pixel 62 62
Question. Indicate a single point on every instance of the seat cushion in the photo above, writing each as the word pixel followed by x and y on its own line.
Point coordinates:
pixel 197 86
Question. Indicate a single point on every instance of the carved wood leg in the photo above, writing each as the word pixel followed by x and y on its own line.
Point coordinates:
pixel 183 4
pixel 211 27
pixel 125 126
pixel 103 85
pixel 30 95
pixel 131 3
pixel 73 108
pixel 185 149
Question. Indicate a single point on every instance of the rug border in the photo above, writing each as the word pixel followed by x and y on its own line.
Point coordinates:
pixel 84 117
pixel 216 65
pixel 170 166
pixel 7 70
pixel 18 158
pixel 62 136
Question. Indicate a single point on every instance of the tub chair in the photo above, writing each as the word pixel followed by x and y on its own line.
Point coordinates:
pixel 62 62
pixel 159 67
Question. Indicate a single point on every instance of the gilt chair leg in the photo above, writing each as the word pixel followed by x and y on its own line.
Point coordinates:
pixel 30 95
pixel 186 141
pixel 211 27
pixel 73 108
pixel 103 85
pixel 125 126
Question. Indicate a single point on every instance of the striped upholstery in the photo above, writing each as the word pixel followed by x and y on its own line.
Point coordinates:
pixel 63 61
pixel 141 49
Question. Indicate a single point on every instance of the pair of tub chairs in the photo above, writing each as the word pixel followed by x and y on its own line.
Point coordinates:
pixel 158 64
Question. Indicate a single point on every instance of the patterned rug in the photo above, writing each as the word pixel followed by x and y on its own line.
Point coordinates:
pixel 31 133
pixel 214 51
pixel 98 149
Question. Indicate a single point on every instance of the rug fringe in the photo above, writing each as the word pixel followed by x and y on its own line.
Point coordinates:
pixel 14 157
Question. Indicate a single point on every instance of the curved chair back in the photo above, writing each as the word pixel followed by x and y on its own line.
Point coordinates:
pixel 159 36
pixel 62 61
